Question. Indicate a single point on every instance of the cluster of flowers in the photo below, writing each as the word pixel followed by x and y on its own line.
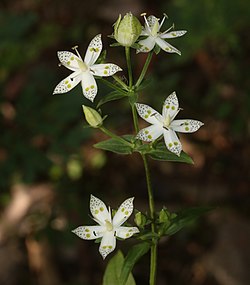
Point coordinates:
pixel 128 32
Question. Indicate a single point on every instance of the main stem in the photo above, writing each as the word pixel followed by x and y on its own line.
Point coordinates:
pixel 153 254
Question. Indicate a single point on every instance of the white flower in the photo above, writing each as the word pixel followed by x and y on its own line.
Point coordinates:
pixel 84 70
pixel 154 36
pixel 165 124
pixel 107 229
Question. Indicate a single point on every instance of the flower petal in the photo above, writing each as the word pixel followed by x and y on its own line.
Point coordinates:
pixel 89 232
pixel 172 142
pixel 146 45
pixel 68 83
pixel 69 60
pixel 173 34
pixel 123 213
pixel 108 244
pixel 171 106
pixel 149 114
pixel 106 69
pixel 186 125
pixel 89 87
pixel 126 232
pixel 150 133
pixel 99 210
pixel 93 51
pixel 151 21
pixel 166 46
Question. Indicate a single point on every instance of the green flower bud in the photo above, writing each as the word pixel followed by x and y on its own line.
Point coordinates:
pixel 140 219
pixel 164 216
pixel 127 30
pixel 92 117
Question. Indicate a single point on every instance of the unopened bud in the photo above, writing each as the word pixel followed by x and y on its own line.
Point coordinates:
pixel 127 30
pixel 164 216
pixel 140 219
pixel 93 118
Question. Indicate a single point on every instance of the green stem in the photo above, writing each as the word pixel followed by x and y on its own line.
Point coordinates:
pixel 122 84
pixel 135 118
pixel 144 70
pixel 128 59
pixel 153 253
pixel 114 136
pixel 113 86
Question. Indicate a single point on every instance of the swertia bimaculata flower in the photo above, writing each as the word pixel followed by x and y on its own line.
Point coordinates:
pixel 108 228
pixel 84 70
pixel 165 124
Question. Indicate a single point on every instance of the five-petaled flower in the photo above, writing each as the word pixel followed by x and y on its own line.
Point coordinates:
pixel 108 228
pixel 165 124
pixel 154 36
pixel 84 70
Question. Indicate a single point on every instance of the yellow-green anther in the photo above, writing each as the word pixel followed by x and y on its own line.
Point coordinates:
pixel 127 30
pixel 93 118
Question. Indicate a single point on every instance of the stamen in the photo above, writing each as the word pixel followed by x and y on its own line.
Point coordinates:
pixel 145 19
pixel 75 49
pixel 172 27
pixel 59 64
pixel 162 21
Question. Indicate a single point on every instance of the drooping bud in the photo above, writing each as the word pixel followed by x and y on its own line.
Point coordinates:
pixel 127 30
pixel 93 118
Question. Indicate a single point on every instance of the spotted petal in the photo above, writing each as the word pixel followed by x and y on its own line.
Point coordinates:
pixel 108 243
pixel 171 106
pixel 106 69
pixel 186 125
pixel 172 142
pixel 89 87
pixel 68 83
pixel 93 51
pixel 99 211
pixel 146 45
pixel 126 232
pixel 69 60
pixel 149 114
pixel 166 46
pixel 89 232
pixel 123 213
pixel 173 34
pixel 150 133
pixel 151 21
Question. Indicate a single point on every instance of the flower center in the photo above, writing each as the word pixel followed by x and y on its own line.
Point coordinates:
pixel 155 28
pixel 109 226
pixel 82 65
pixel 167 121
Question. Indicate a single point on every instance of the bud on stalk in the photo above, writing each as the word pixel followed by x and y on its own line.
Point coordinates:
pixel 93 118
pixel 127 30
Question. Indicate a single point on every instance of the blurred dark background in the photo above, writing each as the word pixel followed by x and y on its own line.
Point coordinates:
pixel 48 167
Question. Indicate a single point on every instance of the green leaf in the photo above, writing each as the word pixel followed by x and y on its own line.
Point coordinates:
pixel 113 271
pixel 134 254
pixel 162 153
pixel 115 145
pixel 186 217
pixel 115 95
